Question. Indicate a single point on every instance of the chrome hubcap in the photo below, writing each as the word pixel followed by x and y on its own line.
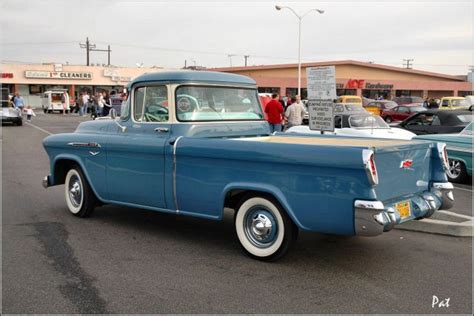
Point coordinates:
pixel 75 191
pixel 261 227
pixel 454 168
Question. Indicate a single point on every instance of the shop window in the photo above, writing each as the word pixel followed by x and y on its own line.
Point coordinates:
pixel 268 90
pixel 291 92
pixel 36 89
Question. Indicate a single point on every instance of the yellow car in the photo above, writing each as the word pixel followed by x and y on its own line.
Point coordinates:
pixel 349 99
pixel 453 103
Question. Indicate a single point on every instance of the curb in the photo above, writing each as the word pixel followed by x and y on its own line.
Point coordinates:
pixel 443 223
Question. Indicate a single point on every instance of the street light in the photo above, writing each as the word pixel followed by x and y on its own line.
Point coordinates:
pixel 300 18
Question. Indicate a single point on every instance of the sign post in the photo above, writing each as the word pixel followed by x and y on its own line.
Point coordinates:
pixel 321 94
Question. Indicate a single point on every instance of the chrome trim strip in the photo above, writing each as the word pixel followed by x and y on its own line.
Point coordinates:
pixel 366 154
pixel 443 185
pixel 175 197
pixel 79 144
pixel 375 205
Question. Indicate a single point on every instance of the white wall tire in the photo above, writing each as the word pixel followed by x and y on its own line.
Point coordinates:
pixel 80 199
pixel 263 228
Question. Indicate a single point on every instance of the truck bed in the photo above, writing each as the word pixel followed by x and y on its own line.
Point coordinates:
pixel 332 141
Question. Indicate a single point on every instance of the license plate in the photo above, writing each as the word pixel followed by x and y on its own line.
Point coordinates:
pixel 403 209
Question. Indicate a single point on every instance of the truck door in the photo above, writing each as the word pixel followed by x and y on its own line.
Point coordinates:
pixel 136 155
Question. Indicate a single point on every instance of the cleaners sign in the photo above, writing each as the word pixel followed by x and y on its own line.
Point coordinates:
pixel 58 75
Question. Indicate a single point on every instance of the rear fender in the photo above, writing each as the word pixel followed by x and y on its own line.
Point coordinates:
pixel 264 188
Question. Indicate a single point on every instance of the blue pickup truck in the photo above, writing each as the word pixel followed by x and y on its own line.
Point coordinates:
pixel 194 143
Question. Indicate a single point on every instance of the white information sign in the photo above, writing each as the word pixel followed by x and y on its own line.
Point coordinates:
pixel 321 83
pixel 321 116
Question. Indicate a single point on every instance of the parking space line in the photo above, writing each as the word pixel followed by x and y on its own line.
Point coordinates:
pixel 462 189
pixel 39 128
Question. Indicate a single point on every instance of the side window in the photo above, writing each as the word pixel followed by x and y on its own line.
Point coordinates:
pixel 338 121
pixel 436 121
pixel 139 97
pixel 445 103
pixel 403 109
pixel 156 104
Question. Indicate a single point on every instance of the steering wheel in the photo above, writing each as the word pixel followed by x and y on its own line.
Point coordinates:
pixel 156 113
pixel 185 104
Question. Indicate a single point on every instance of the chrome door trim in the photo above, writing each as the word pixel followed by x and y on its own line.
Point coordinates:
pixel 83 144
pixel 175 145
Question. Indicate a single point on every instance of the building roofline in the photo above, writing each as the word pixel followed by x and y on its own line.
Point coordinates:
pixel 341 62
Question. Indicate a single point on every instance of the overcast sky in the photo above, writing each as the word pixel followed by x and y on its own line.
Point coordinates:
pixel 438 35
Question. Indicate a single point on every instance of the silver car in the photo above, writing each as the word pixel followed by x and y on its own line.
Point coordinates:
pixel 11 115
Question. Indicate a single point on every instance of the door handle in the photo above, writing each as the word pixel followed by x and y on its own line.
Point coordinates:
pixel 162 130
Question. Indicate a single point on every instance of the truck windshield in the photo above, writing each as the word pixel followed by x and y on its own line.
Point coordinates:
pixel 205 103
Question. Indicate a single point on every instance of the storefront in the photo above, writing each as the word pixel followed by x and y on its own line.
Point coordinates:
pixel 359 78
pixel 32 80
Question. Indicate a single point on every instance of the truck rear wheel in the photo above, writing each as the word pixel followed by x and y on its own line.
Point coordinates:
pixel 80 198
pixel 264 229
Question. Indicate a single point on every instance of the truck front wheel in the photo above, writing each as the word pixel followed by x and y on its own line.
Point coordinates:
pixel 264 229
pixel 80 198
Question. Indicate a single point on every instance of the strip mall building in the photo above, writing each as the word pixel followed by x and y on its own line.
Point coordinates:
pixel 359 78
pixel 31 80
pixel 352 77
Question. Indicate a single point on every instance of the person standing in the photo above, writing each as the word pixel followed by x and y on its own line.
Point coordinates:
pixel 85 101
pixel 107 104
pixel 100 104
pixel 64 102
pixel 274 112
pixel 295 112
pixel 19 103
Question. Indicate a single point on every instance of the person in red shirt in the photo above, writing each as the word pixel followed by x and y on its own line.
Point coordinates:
pixel 274 112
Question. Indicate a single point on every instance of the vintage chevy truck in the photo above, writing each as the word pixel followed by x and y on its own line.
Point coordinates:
pixel 194 143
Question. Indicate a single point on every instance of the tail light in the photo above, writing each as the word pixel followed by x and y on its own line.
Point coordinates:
pixel 443 155
pixel 368 158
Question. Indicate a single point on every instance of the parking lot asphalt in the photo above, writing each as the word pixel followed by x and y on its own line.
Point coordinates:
pixel 127 260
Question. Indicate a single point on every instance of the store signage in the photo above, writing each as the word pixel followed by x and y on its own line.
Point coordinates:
pixel 355 84
pixel 378 86
pixel 321 116
pixel 58 75
pixel 321 82
pixel 6 75
pixel 361 84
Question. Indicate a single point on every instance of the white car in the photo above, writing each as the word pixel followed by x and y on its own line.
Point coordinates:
pixel 359 125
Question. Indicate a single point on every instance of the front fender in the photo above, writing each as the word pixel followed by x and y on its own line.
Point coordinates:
pixel 78 161
pixel 265 188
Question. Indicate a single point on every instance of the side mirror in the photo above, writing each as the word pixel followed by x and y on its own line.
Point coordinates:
pixel 113 116
pixel 113 113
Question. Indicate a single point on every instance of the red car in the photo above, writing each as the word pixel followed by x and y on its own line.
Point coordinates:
pixel 401 112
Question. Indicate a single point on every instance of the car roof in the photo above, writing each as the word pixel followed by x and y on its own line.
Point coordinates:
pixel 193 76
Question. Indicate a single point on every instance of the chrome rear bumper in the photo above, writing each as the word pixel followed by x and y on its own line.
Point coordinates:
pixel 45 182
pixel 372 218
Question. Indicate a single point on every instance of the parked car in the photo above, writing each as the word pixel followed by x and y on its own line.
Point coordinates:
pixel 460 151
pixel 407 100
pixel 453 103
pixel 377 107
pixel 401 112
pixel 349 99
pixel 51 101
pixel 197 160
pixel 437 122
pixel 11 115
pixel 359 125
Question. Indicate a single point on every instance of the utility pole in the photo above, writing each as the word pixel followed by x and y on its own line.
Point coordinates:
pixel 230 59
pixel 246 57
pixel 407 65
pixel 88 46
pixel 108 50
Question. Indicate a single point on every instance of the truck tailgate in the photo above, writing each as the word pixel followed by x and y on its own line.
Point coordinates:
pixel 402 170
